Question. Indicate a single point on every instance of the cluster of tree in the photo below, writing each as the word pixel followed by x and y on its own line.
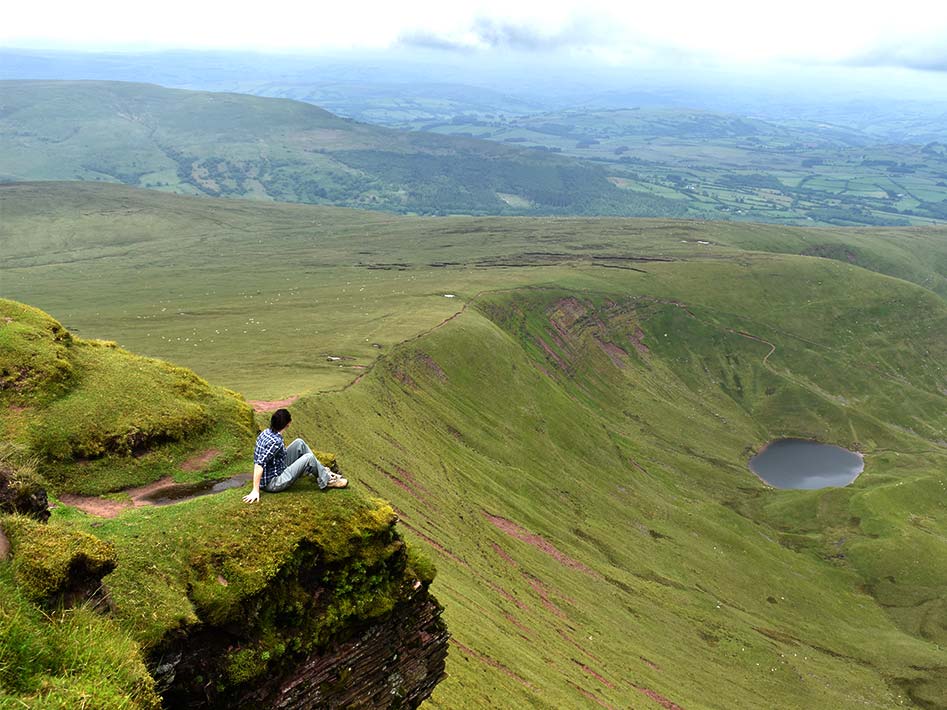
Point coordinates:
pixel 846 216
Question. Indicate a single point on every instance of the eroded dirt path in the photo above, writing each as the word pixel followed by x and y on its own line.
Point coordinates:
pixel 200 461
pixel 744 334
pixel 262 405
pixel 161 492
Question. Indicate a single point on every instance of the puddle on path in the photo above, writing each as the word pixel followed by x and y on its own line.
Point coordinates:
pixel 162 492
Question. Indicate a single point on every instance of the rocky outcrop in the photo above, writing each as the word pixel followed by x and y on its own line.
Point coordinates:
pixel 56 567
pixel 313 601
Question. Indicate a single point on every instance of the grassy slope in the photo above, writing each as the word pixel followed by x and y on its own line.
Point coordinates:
pixel 662 564
pixel 65 660
pixel 769 607
pixel 190 280
pixel 276 149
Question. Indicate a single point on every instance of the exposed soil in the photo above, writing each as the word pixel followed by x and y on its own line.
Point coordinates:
pixel 543 370
pixel 432 542
pixel 429 363
pixel 657 697
pixel 571 310
pixel 99 507
pixel 618 356
pixel 539 542
pixel 575 643
pixel 637 339
pixel 543 593
pixel 160 492
pixel 505 594
pixel 502 553
pixel 650 664
pixel 552 353
pixel 199 462
pixel 591 696
pixel 405 480
pixel 493 663
pixel 598 676
pixel 405 379
pixel 518 624
pixel 260 405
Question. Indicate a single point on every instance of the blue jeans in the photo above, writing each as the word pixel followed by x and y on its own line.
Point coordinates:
pixel 299 460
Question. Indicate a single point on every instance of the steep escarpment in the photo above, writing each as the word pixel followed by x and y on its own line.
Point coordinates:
pixel 574 455
pixel 204 603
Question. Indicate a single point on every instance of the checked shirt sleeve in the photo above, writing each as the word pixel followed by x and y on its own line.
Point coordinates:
pixel 266 449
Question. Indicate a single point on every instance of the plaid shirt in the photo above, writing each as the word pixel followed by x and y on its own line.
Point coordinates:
pixel 270 453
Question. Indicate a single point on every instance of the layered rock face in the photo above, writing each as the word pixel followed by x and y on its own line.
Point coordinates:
pixel 393 663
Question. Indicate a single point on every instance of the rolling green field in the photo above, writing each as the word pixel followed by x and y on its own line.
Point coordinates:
pixel 560 412
pixel 258 297
pixel 630 162
pixel 733 167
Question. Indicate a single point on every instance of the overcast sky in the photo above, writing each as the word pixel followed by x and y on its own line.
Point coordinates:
pixel 911 33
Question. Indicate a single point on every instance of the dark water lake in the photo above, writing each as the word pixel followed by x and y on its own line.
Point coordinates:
pixel 797 463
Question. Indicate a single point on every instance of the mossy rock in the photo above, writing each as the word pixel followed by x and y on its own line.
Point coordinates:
pixel 34 349
pixel 21 492
pixel 330 461
pixel 54 565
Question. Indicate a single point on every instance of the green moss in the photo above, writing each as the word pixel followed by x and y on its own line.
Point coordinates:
pixel 34 350
pixel 420 565
pixel 51 562
pixel 122 404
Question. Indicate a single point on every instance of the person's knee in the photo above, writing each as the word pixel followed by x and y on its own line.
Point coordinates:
pixel 298 442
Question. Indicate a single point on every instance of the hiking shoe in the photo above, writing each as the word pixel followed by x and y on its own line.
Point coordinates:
pixel 337 482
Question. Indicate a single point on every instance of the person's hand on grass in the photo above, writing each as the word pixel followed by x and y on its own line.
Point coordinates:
pixel 251 497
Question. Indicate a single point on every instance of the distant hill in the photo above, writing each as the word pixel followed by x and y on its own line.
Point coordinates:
pixel 738 167
pixel 243 146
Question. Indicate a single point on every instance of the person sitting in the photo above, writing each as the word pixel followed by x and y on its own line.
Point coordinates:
pixel 276 466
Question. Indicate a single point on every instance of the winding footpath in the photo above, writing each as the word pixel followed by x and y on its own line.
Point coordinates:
pixel 744 334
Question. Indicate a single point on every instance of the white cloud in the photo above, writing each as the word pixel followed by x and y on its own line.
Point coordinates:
pixel 727 30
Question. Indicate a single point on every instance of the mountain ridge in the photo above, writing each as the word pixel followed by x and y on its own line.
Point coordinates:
pixel 240 145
